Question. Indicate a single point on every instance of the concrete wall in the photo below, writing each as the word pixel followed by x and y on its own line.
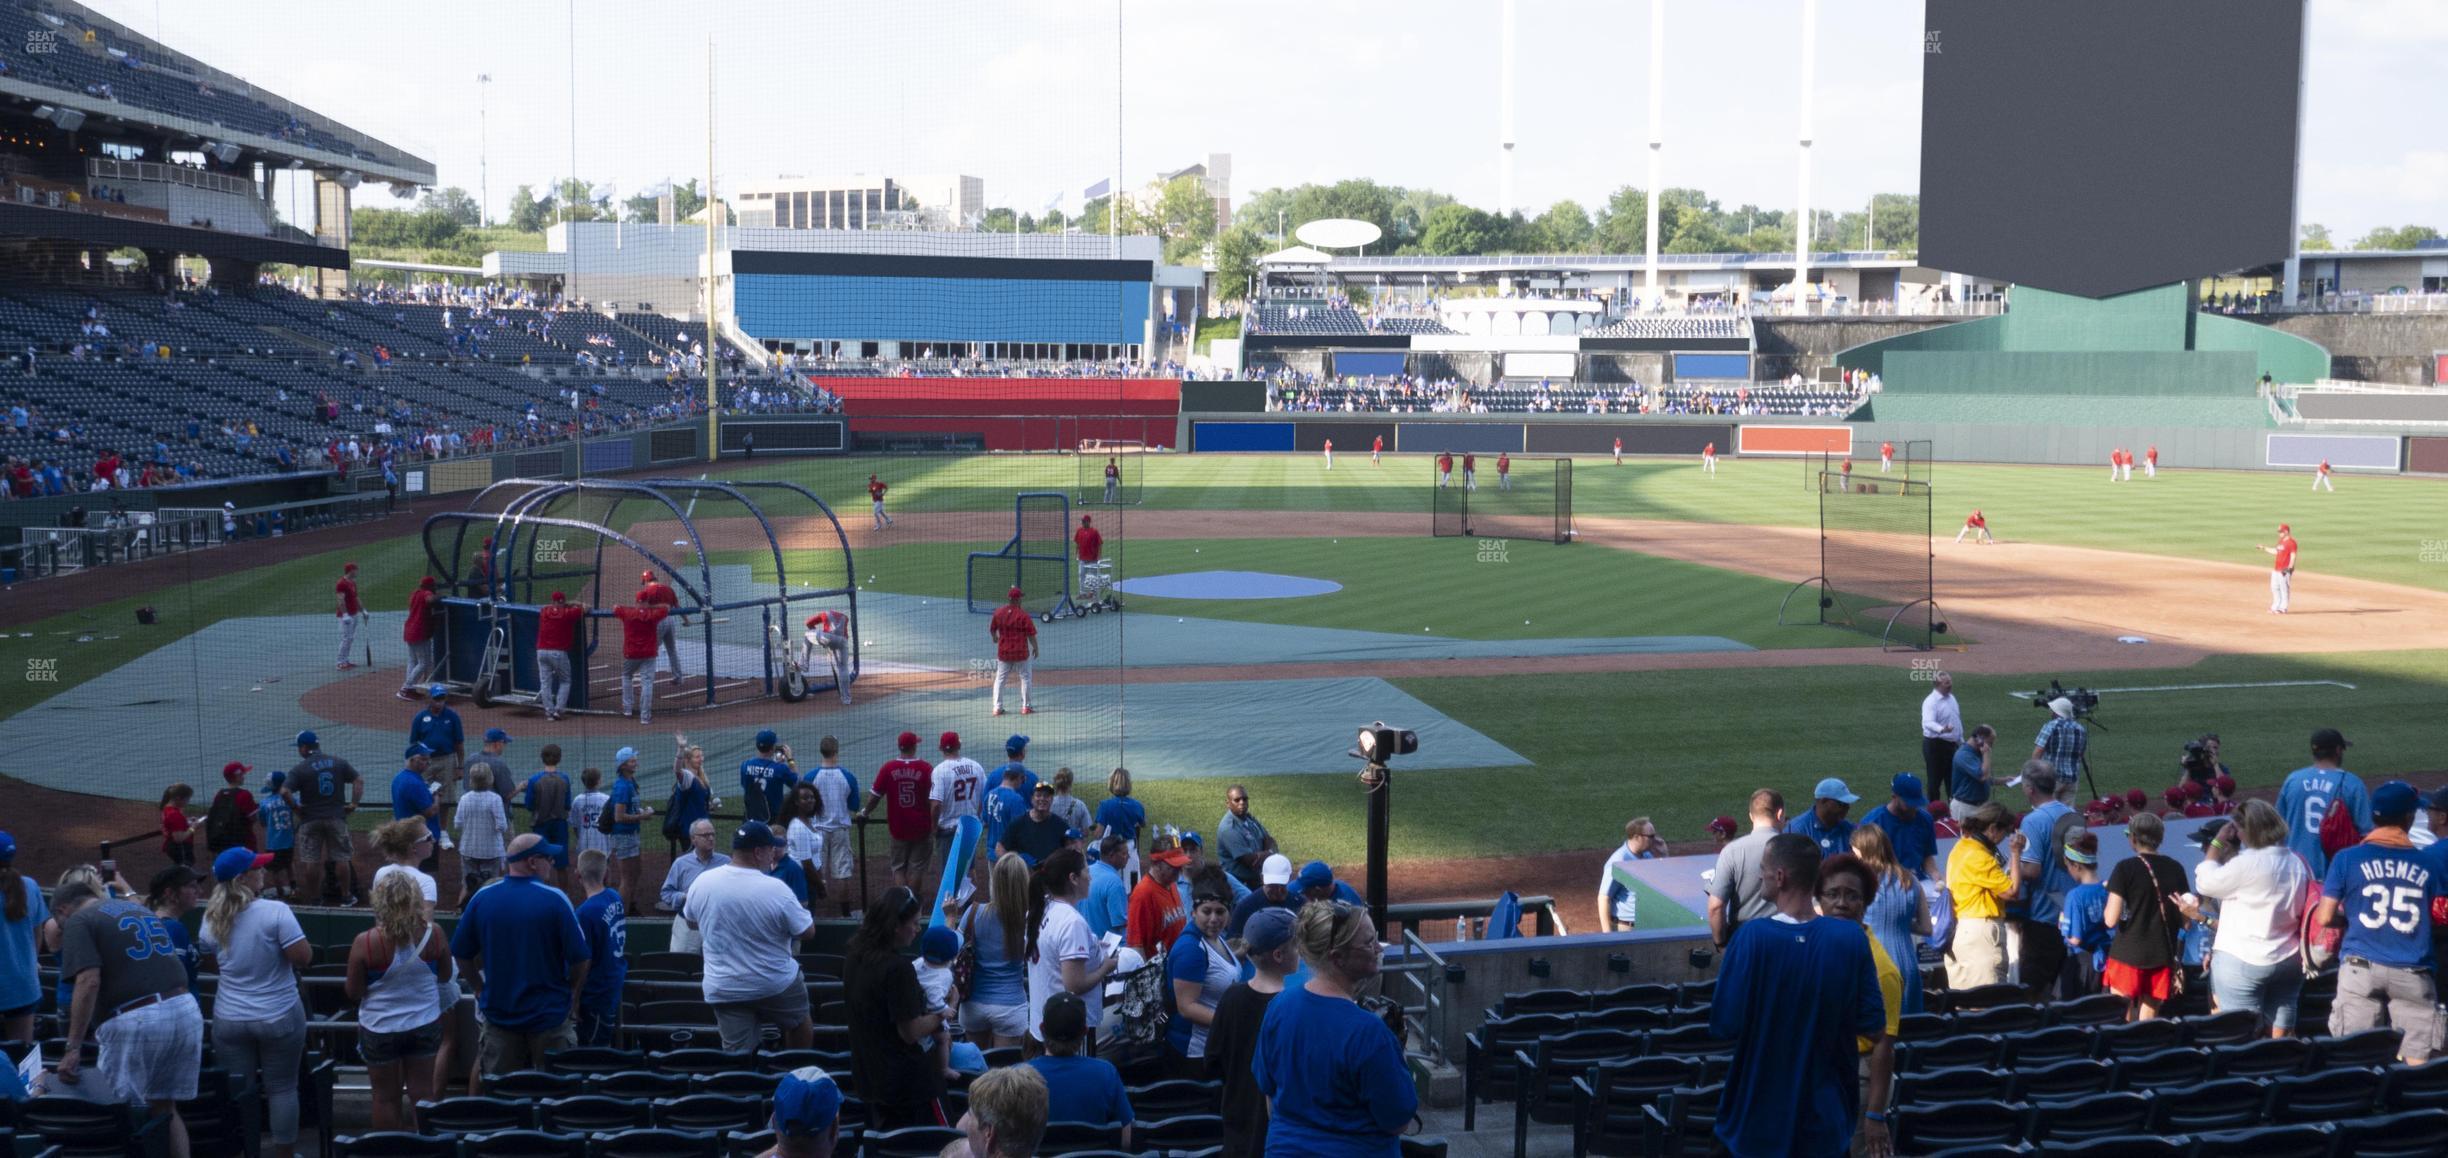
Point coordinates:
pixel 2372 347
pixel 1787 345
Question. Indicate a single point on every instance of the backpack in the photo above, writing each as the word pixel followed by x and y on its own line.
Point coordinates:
pixel 2320 942
pixel 2337 829
pixel 2058 833
pixel 603 816
pixel 225 826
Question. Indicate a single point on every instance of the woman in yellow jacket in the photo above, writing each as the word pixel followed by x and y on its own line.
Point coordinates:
pixel 1982 884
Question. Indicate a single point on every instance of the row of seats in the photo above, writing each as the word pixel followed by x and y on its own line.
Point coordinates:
pixel 1679 326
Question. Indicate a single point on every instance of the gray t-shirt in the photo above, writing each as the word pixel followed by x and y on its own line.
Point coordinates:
pixel 321 783
pixel 257 983
pixel 1738 882
pixel 129 945
pixel 499 767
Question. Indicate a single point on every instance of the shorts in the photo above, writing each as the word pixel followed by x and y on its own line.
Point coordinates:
pixel 381 1049
pixel 324 840
pixel 739 1021
pixel 1009 1021
pixel 25 1010
pixel 480 871
pixel 281 858
pixel 840 855
pixel 912 856
pixel 625 846
pixel 153 1054
pixel 502 1051
pixel 555 833
pixel 2154 985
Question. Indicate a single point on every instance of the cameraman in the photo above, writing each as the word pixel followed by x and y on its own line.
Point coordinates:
pixel 2199 764
pixel 2062 742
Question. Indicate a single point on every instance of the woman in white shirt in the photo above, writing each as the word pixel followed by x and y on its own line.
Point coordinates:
pixel 1063 955
pixel 259 1024
pixel 405 843
pixel 392 973
pixel 802 841
pixel 2259 887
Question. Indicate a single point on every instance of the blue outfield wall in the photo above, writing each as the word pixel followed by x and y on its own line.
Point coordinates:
pixel 941 309
pixel 1226 436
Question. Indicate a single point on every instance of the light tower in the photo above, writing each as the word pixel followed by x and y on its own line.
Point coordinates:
pixel 1802 208
pixel 1504 116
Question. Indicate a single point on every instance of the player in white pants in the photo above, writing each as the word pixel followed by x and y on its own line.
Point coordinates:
pixel 1330 454
pixel 349 611
pixel 2282 569
pixel 829 632
pixel 1113 481
pixel 2320 478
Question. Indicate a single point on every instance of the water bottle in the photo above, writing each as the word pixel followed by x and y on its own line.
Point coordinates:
pixel 1462 929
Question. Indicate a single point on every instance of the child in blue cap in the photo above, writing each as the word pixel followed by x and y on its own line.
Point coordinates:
pixel 937 948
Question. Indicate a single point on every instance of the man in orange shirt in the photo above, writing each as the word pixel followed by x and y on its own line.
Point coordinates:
pixel 1330 454
pixel 1088 544
pixel 351 612
pixel 1708 459
pixel 1504 471
pixel 1619 451
pixel 1156 917
pixel 1886 456
pixel 1470 471
pixel 1975 523
pixel 1015 636
pixel 2150 462
pixel 639 623
pixel 667 633
pixel 2282 569
pixel 2320 478
pixel 417 633
pixel 875 499
pixel 556 637
pixel 1444 469
pixel 1376 447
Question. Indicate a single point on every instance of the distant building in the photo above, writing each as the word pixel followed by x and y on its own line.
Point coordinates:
pixel 861 202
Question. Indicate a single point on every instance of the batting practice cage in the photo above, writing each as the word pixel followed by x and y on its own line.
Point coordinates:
pixel 1876 570
pixel 1524 498
pixel 1109 473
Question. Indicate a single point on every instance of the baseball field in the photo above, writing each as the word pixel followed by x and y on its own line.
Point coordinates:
pixel 1559 689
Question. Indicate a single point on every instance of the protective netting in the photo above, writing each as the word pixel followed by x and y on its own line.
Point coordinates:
pixel 1502 497
pixel 1875 561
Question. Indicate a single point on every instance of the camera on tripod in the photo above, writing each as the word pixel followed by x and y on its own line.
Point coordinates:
pixel 2085 700
pixel 2198 762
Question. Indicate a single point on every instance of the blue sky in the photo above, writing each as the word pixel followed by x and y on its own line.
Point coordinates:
pixel 1024 92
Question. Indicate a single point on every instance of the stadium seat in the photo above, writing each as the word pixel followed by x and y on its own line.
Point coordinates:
pixel 2122 1146
pixel 2042 1047
pixel 1634 1017
pixel 719 1113
pixel 1180 1132
pixel 2268 1058
pixel 638 1084
pixel 1984 997
pixel 2412 1134
pixel 674 1013
pixel 1424 1146
pixel 2063 1081
pixel 1077 1137
pixel 225 1115
pixel 2168 1067
pixel 1682 1122
pixel 2308 1140
pixel 749 1083
pixel 476 1115
pixel 2225 1104
pixel 523 1144
pixel 1688 1041
pixel 1961 1084
pixel 2002 1019
pixel 2422 1087
pixel 1963 1049
pixel 1646 996
pixel 595 1114
pixel 657 1144
pixel 692 1061
pixel 534 1085
pixel 97 1128
pixel 1920 1129
pixel 1543 1001
pixel 908 1142
pixel 2234 1027
pixel 2097 1116
pixel 744 1144
pixel 396 1144
pixel 2326 1095
pixel 593 1059
pixel 2371 1047
pixel 1611 1101
pixel 1924 1026
pixel 2137 1038
pixel 1177 1096
pixel 1549 1067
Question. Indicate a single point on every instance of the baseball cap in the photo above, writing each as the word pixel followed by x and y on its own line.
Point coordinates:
pixel 307 740
pixel 1086 521
pixel 2331 738
pixel 949 741
pixel 907 740
pixel 541 847
pixel 755 834
pixel 1070 834
pixel 767 739
pixel 1172 856
pixel 2174 795
pixel 1834 789
pixel 437 691
pixel 427 581
pixel 2224 784
pixel 1043 788
pixel 1907 788
pixel 233 770
pixel 560 597
pixel 1276 870
pixel 806 1103
pixel 2283 529
pixel 646 576
pixel 496 736
pixel 1268 928
pixel 939 943
pixel 1723 826
pixel 172 877
pixel 1015 594
pixel 1187 838
pixel 1065 1018
pixel 234 863
pixel 416 750
pixel 1315 875
pixel 1016 744
pixel 624 756
pixel 8 848
pixel 2394 798
pixel 2436 800
pixel 2136 798
pixel 276 780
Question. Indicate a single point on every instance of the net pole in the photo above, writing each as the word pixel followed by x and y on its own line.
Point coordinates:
pixel 713 406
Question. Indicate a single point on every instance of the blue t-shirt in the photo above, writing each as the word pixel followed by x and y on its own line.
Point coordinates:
pixel 1028 781
pixel 1793 997
pixel 2038 825
pixel 410 797
pixel 20 983
pixel 1831 839
pixel 691 804
pixel 1967 784
pixel 1083 1089
pixel 1002 974
pixel 2083 922
pixel 605 921
pixel 1107 906
pixel 1914 839
pixel 183 947
pixel 1122 816
pixel 2304 802
pixel 279 820
pixel 1335 1075
pixel 625 795
pixel 770 778
pixel 438 729
pixel 528 936
pixel 790 873
pixel 1248 907
pixel 1002 806
pixel 2386 894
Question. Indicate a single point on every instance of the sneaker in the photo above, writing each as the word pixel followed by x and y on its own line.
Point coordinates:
pixel 998 711
pixel 1028 711
pixel 351 901
pixel 344 665
pixel 403 694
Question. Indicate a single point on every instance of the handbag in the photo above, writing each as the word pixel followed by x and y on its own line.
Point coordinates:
pixel 964 964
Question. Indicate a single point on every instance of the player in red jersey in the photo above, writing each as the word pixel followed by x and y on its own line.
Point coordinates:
pixel 1444 469
pixel 875 501
pixel 1330 454
pixel 1015 636
pixel 2282 569
pixel 1470 471
pixel 1975 523
pixel 417 633
pixel 640 623
pixel 1376 447
pixel 1619 452
pixel 2150 462
pixel 1708 459
pixel 350 611
pixel 1504 471
pixel 902 786
pixel 667 632
pixel 556 637
pixel 2320 478
pixel 1886 456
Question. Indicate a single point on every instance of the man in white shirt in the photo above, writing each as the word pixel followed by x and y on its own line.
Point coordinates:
pixel 1941 732
pixel 751 927
pixel 685 869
